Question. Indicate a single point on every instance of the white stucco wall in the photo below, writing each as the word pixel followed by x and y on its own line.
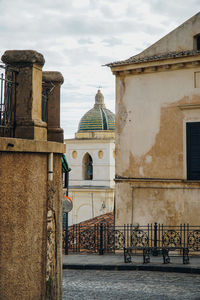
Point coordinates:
pixel 95 197
pixel 103 168
pixel 90 203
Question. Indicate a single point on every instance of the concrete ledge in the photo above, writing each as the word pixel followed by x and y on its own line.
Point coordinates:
pixel 132 267
pixel 22 145
pixel 116 262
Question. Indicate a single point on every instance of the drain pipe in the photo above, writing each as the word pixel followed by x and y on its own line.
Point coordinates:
pixel 50 166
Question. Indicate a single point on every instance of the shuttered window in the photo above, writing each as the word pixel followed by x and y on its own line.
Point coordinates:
pixel 198 42
pixel 193 150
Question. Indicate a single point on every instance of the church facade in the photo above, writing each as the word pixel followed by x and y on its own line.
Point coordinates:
pixel 91 157
pixel 158 131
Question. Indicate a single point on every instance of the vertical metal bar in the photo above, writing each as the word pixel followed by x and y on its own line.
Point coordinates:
pixel 76 239
pixel 101 240
pixel 188 232
pixel 112 233
pixel 98 245
pixel 66 228
pixel 124 235
pixel 73 238
pixel 182 229
pixel 128 235
pixel 66 234
pixel 155 252
pixel 15 104
pixel 1 109
pixel 95 238
pixel 79 238
pixel 66 184
pixel 106 238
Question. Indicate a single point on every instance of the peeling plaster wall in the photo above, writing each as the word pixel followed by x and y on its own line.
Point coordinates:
pixel 150 123
pixel 148 202
pixel 151 114
pixel 155 98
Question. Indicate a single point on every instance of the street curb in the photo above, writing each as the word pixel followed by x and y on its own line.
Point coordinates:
pixel 177 269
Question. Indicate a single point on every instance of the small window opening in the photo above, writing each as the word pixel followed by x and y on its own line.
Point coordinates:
pixel 87 167
pixel 197 42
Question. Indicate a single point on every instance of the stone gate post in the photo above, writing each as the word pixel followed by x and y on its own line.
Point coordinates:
pixel 52 82
pixel 29 64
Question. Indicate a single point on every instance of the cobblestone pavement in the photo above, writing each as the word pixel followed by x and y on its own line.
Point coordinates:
pixel 145 285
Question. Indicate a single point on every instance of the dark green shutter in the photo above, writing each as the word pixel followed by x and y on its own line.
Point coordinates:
pixel 193 150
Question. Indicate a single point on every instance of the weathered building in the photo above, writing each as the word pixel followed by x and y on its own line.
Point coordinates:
pixel 31 147
pixel 158 130
pixel 91 156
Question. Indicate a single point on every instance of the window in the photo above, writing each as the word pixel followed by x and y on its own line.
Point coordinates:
pixel 193 150
pixel 197 42
pixel 87 167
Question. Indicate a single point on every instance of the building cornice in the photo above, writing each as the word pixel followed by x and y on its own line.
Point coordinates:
pixel 35 146
pixel 161 181
pixel 157 66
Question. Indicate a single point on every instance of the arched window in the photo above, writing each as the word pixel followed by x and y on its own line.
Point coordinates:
pixel 87 167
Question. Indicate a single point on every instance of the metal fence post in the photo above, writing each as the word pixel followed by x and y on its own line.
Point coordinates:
pixel 155 251
pixel 101 251
pixel 66 234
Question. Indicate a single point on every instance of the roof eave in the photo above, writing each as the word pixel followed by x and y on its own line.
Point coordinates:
pixel 154 63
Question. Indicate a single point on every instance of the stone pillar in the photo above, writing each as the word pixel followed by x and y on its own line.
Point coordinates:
pixel 29 124
pixel 52 82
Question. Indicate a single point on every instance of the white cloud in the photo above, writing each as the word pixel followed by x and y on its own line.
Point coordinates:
pixel 77 37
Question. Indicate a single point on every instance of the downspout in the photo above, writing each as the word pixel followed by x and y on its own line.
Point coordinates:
pixel 50 166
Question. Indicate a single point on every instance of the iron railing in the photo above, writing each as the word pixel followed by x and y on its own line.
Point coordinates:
pixel 45 92
pixel 7 101
pixel 100 238
pixel 103 238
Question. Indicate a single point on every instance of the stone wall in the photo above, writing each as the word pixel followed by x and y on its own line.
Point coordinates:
pixel 23 225
pixel 31 188
pixel 30 209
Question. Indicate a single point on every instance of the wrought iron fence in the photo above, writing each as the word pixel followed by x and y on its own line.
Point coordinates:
pixel 102 238
pixel 7 101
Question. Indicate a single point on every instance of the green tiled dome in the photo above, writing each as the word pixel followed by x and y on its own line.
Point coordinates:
pixel 97 118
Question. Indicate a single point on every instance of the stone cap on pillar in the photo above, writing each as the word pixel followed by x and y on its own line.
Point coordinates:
pixel 52 76
pixel 23 57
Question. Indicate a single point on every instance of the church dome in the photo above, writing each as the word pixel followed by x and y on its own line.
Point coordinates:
pixel 97 118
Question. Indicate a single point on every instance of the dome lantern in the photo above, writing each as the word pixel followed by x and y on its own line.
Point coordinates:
pixel 99 118
pixel 99 99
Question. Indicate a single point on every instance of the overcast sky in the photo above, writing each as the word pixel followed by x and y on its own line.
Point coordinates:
pixel 77 37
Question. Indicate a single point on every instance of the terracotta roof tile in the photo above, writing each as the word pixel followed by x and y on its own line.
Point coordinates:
pixel 136 59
